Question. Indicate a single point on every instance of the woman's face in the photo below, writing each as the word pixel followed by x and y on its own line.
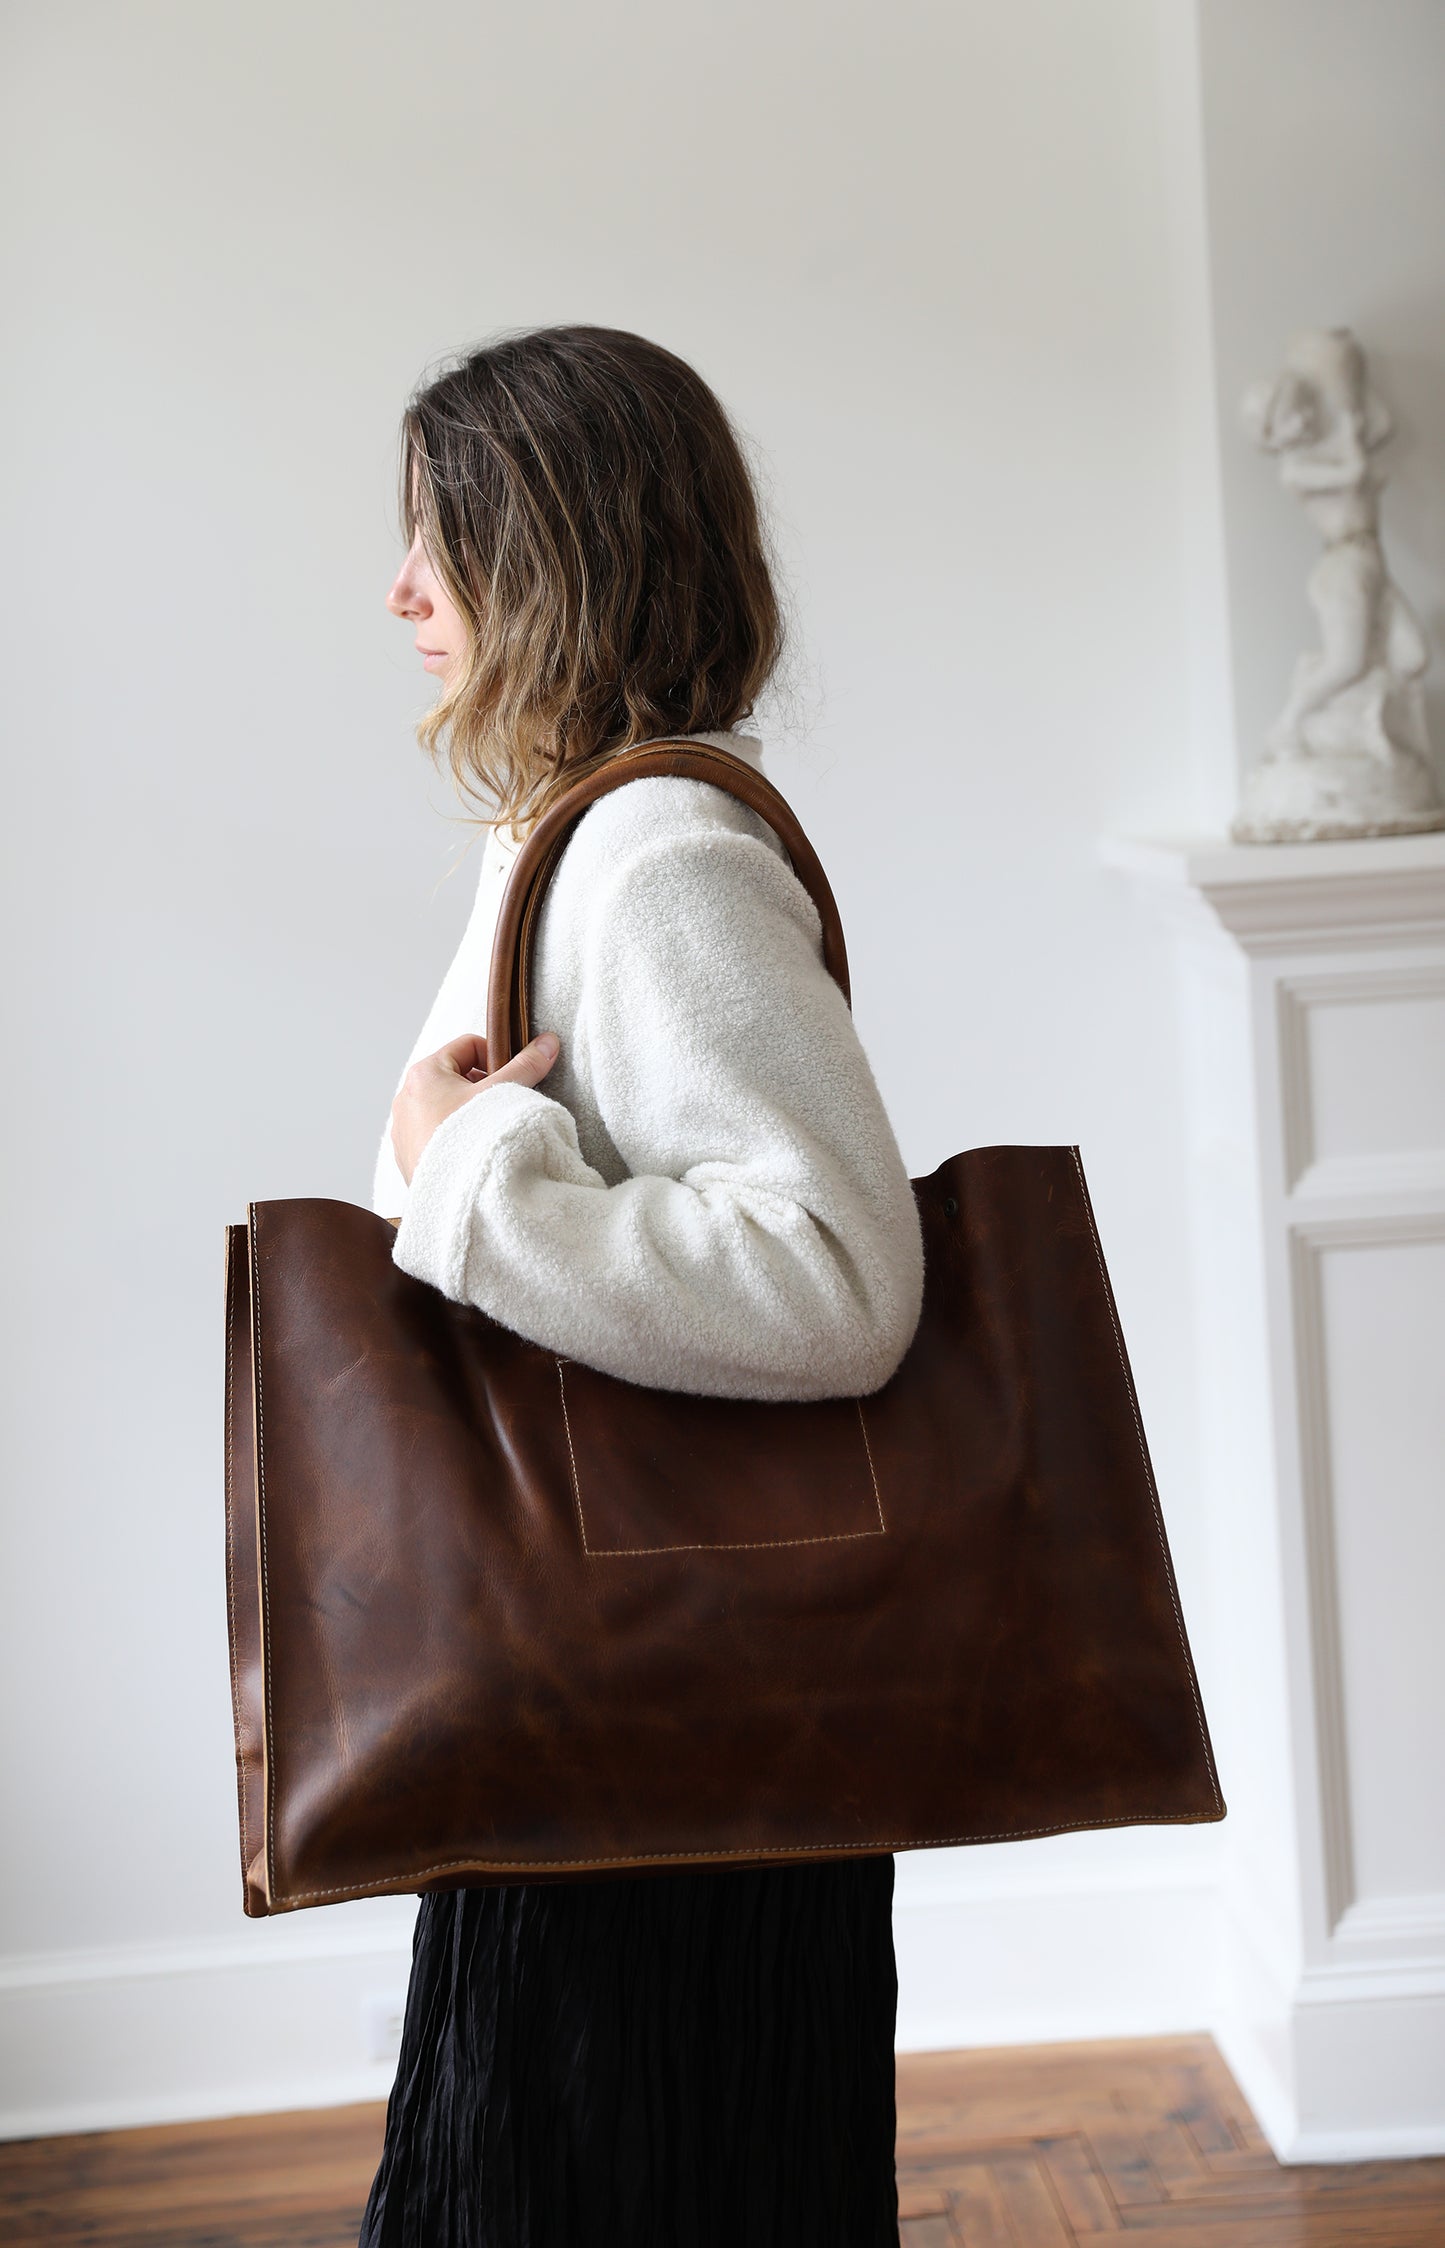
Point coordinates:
pixel 419 595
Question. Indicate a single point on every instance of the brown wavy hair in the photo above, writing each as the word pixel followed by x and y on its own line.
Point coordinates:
pixel 586 502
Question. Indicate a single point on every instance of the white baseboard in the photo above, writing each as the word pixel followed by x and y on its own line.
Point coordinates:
pixel 279 2016
pixel 1122 1959
pixel 1339 2062
pixel 1339 2065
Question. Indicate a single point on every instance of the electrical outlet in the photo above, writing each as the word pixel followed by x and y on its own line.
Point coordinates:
pixel 382 2014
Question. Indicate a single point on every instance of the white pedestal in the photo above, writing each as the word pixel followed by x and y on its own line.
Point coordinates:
pixel 1312 981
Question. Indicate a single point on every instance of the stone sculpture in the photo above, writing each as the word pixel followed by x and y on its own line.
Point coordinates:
pixel 1349 754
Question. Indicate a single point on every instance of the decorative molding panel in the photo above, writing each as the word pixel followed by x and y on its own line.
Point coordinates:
pixel 1312 983
pixel 1312 1244
pixel 1363 1077
pixel 1411 1929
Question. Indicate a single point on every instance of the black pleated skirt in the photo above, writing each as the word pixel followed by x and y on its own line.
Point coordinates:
pixel 688 2060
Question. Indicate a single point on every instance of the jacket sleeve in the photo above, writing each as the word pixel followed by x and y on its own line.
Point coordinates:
pixel 767 1242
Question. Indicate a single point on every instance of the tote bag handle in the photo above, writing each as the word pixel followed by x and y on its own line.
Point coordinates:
pixel 508 1029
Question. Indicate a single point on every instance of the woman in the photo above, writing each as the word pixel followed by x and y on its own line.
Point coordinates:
pixel 688 1180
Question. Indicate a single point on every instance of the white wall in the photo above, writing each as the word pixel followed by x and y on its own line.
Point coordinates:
pixel 923 253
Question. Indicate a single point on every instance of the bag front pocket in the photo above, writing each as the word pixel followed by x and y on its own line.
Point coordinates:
pixel 654 1471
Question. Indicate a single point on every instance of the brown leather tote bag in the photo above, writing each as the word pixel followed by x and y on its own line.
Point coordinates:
pixel 495 1616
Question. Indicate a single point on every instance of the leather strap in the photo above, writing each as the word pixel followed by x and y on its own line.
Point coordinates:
pixel 508 1029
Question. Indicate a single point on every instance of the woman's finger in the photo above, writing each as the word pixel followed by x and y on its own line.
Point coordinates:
pixel 463 1054
pixel 532 1064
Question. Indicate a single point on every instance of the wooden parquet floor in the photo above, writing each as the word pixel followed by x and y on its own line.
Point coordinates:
pixel 1139 2144
pixel 1143 2143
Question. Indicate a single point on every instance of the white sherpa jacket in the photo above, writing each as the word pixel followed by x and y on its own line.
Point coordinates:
pixel 705 1192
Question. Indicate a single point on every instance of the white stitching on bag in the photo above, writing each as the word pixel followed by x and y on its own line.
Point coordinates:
pixel 403 1883
pixel 720 1545
pixel 1144 1454
pixel 872 1470
pixel 231 1262
pixel 572 1456
pixel 270 1749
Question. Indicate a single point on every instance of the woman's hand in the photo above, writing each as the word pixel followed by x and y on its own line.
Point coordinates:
pixel 454 1074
